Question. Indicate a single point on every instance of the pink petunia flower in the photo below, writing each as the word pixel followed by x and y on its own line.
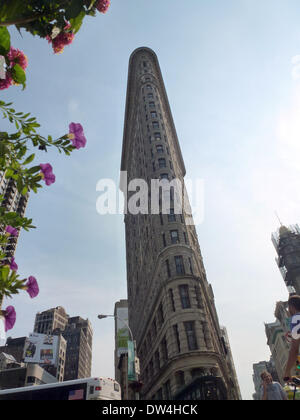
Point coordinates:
pixel 13 265
pixel 6 82
pixel 103 5
pixel 9 317
pixel 76 135
pixel 16 56
pixel 11 231
pixel 65 37
pixel 32 287
pixel 47 174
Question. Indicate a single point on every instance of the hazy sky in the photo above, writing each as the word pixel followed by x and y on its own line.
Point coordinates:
pixel 231 74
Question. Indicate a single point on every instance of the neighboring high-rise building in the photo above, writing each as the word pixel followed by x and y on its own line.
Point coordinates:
pixel 15 347
pixel 279 338
pixel 171 305
pixel 287 244
pixel 79 335
pixel 52 319
pixel 26 375
pixel 279 346
pixel 13 201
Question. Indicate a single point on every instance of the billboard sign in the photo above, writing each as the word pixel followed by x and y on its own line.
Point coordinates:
pixel 131 361
pixel 41 349
pixel 122 331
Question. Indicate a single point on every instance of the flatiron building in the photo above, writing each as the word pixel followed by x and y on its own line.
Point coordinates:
pixel 171 305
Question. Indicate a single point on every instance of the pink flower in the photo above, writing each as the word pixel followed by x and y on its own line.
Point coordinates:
pixel 13 265
pixel 47 174
pixel 32 287
pixel 64 38
pixel 76 135
pixel 9 317
pixel 7 82
pixel 11 231
pixel 16 56
pixel 103 5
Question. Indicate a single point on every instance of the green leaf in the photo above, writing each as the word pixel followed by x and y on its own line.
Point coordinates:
pixel 29 159
pixel 4 41
pixel 18 74
pixel 24 191
pixel 34 169
pixel 77 21
pixel 9 173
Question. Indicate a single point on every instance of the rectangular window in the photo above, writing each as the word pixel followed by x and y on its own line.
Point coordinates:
pixel 184 296
pixel 150 95
pixel 157 136
pixel 155 124
pixel 159 148
pixel 151 104
pixel 179 265
pixel 153 114
pixel 159 395
pixel 162 163
pixel 191 335
pixel 164 240
pixel 191 266
pixel 177 339
pixel 167 391
pixel 164 176
pixel 198 297
pixel 174 236
pixel 160 315
pixel 161 219
pixel 171 296
pixel 185 239
pixel 164 349
pixel 171 216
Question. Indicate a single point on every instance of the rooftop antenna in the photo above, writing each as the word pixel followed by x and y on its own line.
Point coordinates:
pixel 278 218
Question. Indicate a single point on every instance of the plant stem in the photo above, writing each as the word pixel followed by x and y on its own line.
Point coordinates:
pixel 20 21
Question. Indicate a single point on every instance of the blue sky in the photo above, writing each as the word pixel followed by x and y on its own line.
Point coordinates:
pixel 235 98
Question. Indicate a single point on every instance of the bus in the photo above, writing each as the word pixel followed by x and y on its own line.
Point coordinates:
pixel 79 389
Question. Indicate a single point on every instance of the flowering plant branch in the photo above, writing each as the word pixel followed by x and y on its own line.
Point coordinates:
pixel 16 158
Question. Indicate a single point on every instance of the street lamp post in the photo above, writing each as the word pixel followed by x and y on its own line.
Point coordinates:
pixel 131 336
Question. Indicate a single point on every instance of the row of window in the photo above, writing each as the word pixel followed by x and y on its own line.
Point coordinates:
pixel 162 163
pixel 161 354
pixel 179 266
pixel 174 238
